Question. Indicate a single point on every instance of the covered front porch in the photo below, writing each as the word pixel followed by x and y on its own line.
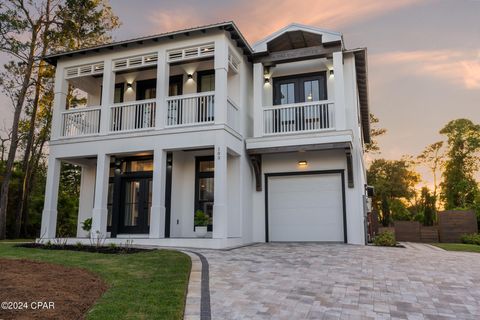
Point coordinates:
pixel 150 198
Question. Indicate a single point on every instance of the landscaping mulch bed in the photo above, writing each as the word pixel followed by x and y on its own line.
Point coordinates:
pixel 84 248
pixel 72 291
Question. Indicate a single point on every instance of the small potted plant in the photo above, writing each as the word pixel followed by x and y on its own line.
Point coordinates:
pixel 201 222
pixel 87 226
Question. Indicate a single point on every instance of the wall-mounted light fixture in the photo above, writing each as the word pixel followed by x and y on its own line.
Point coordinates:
pixel 331 72
pixel 189 76
pixel 117 166
pixel 267 80
pixel 302 163
pixel 129 85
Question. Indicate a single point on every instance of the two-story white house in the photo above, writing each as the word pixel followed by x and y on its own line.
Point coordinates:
pixel 266 140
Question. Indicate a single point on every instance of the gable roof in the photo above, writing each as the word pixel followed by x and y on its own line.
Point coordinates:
pixel 228 26
pixel 327 35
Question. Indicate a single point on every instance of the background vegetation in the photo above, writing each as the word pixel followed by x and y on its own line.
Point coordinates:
pixel 453 163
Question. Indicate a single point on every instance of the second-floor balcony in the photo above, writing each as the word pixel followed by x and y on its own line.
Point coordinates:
pixel 178 111
pixel 299 117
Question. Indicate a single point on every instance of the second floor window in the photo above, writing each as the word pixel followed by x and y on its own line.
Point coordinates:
pixel 146 89
pixel 206 81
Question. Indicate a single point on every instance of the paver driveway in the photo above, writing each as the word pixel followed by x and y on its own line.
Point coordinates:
pixel 322 281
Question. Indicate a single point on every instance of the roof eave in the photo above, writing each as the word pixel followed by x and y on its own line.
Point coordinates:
pixel 361 71
pixel 228 26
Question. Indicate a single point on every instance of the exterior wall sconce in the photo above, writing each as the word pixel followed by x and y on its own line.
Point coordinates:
pixel 190 76
pixel 331 73
pixel 267 80
pixel 302 163
pixel 117 167
pixel 129 85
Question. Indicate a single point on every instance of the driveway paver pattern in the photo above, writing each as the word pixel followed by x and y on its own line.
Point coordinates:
pixel 335 281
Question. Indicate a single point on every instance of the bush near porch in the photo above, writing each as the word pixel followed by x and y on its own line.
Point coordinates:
pixel 147 285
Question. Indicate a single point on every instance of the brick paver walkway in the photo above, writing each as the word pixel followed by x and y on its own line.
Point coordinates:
pixel 322 281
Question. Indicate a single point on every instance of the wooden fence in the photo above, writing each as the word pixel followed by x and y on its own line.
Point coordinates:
pixel 451 226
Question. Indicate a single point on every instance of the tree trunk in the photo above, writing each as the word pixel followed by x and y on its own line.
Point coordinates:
pixel 24 186
pixel 14 143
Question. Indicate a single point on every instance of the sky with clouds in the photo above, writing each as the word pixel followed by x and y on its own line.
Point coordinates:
pixel 423 55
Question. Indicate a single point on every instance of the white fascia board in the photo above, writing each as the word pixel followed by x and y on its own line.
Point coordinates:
pixel 300 139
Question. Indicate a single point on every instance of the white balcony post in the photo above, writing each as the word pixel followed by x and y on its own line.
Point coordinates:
pixel 221 78
pixel 87 192
pixel 220 213
pixel 258 83
pixel 163 75
pixel 157 212
pixel 49 215
pixel 108 91
pixel 59 101
pixel 100 212
pixel 339 106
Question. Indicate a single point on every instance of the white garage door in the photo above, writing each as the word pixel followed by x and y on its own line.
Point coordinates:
pixel 305 208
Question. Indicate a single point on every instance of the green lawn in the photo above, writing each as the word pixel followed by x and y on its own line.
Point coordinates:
pixel 146 285
pixel 458 247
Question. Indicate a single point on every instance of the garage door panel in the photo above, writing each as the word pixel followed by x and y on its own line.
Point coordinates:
pixel 305 208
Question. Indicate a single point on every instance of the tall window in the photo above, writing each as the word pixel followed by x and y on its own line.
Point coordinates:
pixel 204 188
pixel 206 81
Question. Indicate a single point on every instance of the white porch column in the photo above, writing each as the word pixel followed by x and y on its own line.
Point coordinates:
pixel 49 215
pixel 258 83
pixel 108 91
pixel 59 101
pixel 157 213
pixel 220 193
pixel 99 214
pixel 163 76
pixel 339 81
pixel 87 193
pixel 221 78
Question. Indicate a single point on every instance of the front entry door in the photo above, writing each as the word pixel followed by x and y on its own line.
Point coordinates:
pixel 136 200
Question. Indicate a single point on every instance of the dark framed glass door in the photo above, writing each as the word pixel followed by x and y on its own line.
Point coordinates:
pixel 175 110
pixel 204 185
pixel 205 83
pixel 136 200
pixel 296 89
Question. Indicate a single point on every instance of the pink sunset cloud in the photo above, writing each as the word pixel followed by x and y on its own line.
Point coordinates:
pixel 269 15
pixel 458 67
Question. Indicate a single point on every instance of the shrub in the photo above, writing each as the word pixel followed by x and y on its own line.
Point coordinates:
pixel 385 238
pixel 201 219
pixel 87 225
pixel 473 238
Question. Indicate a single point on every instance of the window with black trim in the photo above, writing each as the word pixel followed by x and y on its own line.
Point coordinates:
pixel 204 185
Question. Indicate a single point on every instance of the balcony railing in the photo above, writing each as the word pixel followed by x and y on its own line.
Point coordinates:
pixel 80 122
pixel 190 109
pixel 299 117
pixel 135 115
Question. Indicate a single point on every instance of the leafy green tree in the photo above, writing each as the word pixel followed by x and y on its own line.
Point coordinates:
pixel 29 31
pixel 459 187
pixel 375 132
pixel 427 207
pixel 392 179
pixel 433 157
